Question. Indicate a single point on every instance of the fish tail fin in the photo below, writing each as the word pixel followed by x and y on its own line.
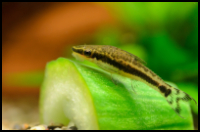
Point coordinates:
pixel 174 98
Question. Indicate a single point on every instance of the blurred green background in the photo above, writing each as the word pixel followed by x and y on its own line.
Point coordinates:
pixel 163 34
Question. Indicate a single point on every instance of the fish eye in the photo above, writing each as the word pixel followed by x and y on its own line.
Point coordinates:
pixel 87 53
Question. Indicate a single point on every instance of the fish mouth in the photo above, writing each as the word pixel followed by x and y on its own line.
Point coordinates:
pixel 73 48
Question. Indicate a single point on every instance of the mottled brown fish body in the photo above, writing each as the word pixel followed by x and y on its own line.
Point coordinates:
pixel 121 62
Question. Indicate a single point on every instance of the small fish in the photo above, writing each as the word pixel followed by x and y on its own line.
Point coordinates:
pixel 115 60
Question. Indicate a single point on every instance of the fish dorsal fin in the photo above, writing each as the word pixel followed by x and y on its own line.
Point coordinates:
pixel 139 60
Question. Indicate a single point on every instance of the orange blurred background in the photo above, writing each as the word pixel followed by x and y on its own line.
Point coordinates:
pixel 36 33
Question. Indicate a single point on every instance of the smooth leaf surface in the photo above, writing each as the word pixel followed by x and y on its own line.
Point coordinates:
pixel 90 98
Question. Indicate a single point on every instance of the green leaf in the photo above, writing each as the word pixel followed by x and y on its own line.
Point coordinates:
pixel 88 97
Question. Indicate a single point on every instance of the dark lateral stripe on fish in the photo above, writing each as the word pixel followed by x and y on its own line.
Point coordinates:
pixel 125 68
